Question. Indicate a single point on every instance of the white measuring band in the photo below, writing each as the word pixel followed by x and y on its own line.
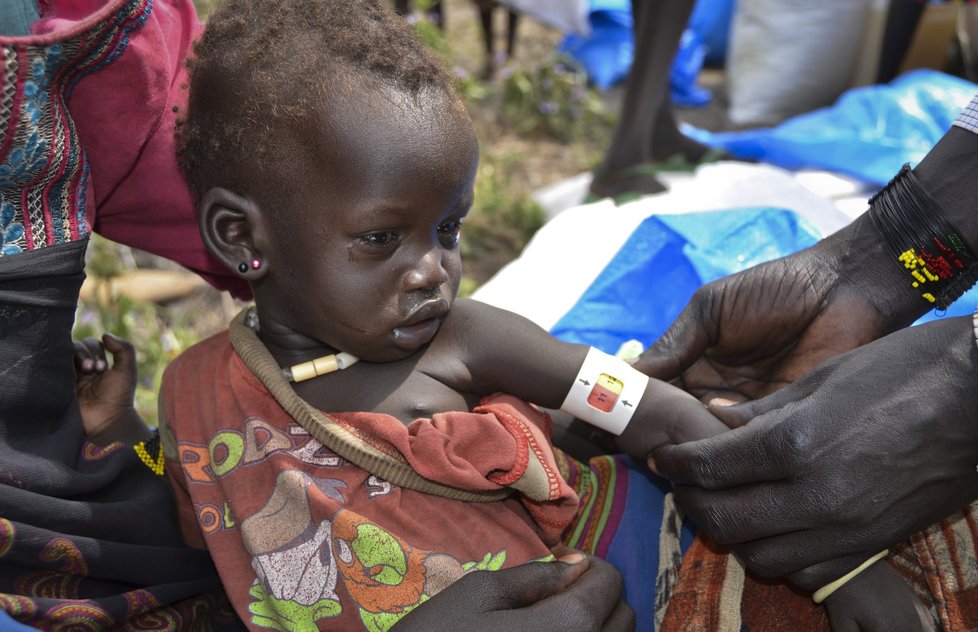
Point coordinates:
pixel 605 392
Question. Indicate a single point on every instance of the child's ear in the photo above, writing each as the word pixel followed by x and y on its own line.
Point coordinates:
pixel 232 229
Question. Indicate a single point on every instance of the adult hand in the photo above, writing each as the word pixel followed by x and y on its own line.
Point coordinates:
pixel 868 448
pixel 105 394
pixel 580 593
pixel 749 334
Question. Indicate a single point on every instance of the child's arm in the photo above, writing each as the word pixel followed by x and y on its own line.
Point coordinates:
pixel 502 351
pixel 877 599
pixel 105 394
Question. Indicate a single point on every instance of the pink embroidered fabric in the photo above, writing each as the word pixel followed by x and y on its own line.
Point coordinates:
pixel 125 112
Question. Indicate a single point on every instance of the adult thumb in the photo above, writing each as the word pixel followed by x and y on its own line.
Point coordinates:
pixel 677 349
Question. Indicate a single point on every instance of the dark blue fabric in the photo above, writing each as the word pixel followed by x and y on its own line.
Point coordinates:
pixel 9 625
pixel 634 551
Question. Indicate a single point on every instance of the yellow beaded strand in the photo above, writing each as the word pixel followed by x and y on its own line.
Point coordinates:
pixel 155 465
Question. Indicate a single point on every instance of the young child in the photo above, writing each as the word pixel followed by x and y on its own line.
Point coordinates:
pixel 334 167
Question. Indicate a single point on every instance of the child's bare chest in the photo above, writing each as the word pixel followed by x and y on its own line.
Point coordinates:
pixel 396 388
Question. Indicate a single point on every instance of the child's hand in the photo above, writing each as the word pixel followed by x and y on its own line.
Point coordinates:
pixel 105 394
pixel 667 415
pixel 877 599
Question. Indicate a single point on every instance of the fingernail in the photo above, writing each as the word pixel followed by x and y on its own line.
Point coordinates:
pixel 86 364
pixel 100 365
pixel 571 558
pixel 651 463
pixel 721 401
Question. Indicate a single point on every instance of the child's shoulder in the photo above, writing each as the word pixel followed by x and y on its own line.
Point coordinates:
pixel 475 318
pixel 200 355
pixel 467 311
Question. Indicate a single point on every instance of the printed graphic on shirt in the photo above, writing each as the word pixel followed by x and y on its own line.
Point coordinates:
pixel 299 563
pixel 230 449
pixel 309 569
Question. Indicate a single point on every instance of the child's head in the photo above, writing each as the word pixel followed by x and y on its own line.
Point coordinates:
pixel 326 144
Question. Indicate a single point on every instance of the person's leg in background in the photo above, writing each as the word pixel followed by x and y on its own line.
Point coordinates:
pixel 486 8
pixel 901 23
pixel 646 132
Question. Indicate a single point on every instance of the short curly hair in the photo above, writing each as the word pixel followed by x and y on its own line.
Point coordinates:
pixel 263 66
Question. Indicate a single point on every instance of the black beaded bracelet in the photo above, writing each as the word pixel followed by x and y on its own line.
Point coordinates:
pixel 941 265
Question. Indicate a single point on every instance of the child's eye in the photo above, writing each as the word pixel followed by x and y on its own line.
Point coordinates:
pixel 379 239
pixel 449 233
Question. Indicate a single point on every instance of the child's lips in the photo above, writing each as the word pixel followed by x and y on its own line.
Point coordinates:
pixel 421 325
pixel 412 336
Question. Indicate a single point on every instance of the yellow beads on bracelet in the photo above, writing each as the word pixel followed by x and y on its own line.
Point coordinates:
pixel 155 465
pixel 917 268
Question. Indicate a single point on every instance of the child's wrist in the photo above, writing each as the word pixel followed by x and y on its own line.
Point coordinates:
pixel 828 589
pixel 606 392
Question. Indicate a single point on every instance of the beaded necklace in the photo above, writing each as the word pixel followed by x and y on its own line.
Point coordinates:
pixel 303 371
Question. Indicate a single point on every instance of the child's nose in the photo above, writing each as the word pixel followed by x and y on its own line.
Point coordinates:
pixel 429 271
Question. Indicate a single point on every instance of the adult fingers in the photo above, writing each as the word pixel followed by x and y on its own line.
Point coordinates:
pixel 737 414
pixel 594 597
pixel 762 450
pixel 744 514
pixel 817 575
pixel 89 356
pixel 686 340
pixel 123 353
pixel 809 558
pixel 622 619
pixel 529 583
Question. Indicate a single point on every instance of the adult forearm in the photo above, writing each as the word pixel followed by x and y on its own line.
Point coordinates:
pixel 950 174
pixel 861 256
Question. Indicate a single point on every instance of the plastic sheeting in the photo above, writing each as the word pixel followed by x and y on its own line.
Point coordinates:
pixel 651 278
pixel 649 281
pixel 869 133
pixel 606 54
pixel 570 251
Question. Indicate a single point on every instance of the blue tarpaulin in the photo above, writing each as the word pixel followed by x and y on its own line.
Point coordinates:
pixel 869 133
pixel 651 278
pixel 606 54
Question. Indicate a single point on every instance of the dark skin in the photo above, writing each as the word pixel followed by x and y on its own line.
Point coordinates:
pixel 579 592
pixel 372 268
pixel 755 332
pixel 105 393
pixel 379 279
